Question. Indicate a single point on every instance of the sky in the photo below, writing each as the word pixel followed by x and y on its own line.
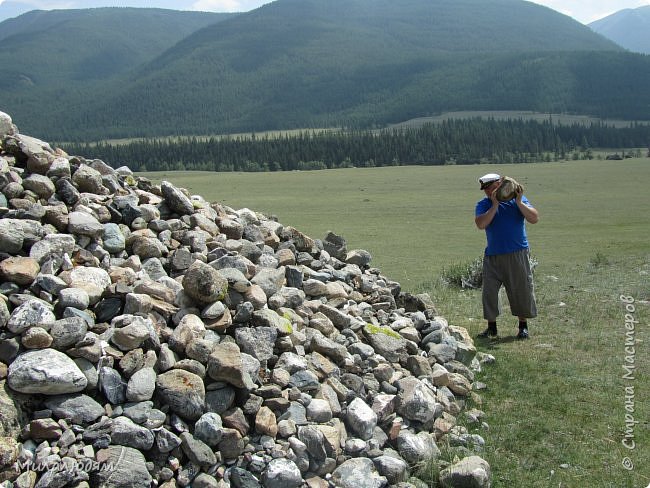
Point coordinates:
pixel 584 11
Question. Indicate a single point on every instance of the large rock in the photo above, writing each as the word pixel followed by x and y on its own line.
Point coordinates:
pixel 12 414
pixel 282 473
pixel 392 467
pixel 112 385
pixel 358 473
pixel 416 448
pixel 52 245
pixel 132 335
pixel 31 313
pixel 84 224
pixel 7 127
pixel 141 385
pixel 335 245
pixel 39 184
pixel 209 428
pixel 226 364
pixel 93 281
pixel 88 180
pixel 204 284
pixel 258 341
pixel 470 472
pixel 270 280
pixel 198 451
pixel 418 402
pixel 385 341
pixel 125 432
pixel 114 240
pixel 67 332
pixel 361 419
pixel 11 237
pixel 183 391
pixel 45 371
pixel 176 199
pixel 81 409
pixel 121 467
pixel 19 270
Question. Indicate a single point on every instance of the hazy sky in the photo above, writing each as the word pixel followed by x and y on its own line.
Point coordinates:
pixel 584 11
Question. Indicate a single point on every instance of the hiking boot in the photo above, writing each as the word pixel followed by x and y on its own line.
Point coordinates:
pixel 523 333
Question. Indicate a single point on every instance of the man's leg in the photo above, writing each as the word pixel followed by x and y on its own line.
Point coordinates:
pixel 521 292
pixel 523 328
pixel 490 295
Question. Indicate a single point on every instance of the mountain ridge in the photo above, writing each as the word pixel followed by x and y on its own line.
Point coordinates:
pixel 113 40
pixel 358 63
pixel 630 28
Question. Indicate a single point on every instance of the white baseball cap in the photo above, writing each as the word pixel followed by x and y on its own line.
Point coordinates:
pixel 488 178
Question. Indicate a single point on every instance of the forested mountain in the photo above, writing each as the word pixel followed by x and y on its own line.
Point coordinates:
pixel 629 28
pixel 47 50
pixel 350 63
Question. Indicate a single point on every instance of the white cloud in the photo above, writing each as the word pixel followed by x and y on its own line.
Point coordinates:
pixel 217 6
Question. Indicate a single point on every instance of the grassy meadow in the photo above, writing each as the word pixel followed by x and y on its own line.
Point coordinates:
pixel 556 405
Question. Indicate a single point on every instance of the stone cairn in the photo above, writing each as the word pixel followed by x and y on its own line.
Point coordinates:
pixel 151 338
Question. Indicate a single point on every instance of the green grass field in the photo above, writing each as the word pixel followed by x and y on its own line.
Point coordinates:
pixel 556 405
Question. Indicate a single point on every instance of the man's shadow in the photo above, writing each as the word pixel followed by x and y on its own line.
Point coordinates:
pixel 495 341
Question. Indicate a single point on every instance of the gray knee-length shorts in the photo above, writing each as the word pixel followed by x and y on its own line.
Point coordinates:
pixel 513 271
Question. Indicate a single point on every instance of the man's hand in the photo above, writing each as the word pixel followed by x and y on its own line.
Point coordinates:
pixel 529 213
pixel 493 196
pixel 519 193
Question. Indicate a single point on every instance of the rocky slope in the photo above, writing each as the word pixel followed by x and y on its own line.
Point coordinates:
pixel 151 338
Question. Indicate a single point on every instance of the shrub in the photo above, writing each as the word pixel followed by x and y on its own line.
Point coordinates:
pixel 599 260
pixel 464 275
pixel 470 274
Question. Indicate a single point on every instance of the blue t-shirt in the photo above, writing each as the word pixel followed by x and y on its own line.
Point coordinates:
pixel 507 231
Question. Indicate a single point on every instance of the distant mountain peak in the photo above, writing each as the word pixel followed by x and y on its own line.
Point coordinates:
pixel 629 28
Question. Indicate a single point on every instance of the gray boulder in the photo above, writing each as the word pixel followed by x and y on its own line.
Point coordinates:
pixel 124 467
pixel 416 448
pixel 81 409
pixel 183 391
pixel 88 180
pixel 176 199
pixel 282 473
pixel 32 312
pixel 203 284
pixel 84 224
pixel 11 237
pixel 45 371
pixel 361 419
pixel 358 473
pixel 67 332
pixel 258 341
pixel 141 385
pixel 196 450
pixel 209 428
pixel 470 472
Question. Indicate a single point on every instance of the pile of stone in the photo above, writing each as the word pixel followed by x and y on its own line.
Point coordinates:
pixel 151 338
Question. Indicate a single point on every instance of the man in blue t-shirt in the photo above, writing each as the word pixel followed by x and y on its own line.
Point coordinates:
pixel 506 260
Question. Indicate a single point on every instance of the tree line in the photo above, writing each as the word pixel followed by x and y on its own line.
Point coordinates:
pixel 462 141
